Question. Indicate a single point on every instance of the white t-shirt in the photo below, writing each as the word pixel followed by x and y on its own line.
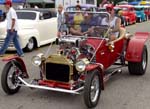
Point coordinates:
pixel 12 15
pixel 112 24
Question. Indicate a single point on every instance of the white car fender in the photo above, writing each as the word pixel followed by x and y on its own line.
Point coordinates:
pixel 26 34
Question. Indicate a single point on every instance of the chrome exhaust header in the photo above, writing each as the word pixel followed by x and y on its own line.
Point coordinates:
pixel 50 88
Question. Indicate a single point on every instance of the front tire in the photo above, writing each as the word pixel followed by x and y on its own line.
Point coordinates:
pixel 92 89
pixel 139 68
pixel 9 79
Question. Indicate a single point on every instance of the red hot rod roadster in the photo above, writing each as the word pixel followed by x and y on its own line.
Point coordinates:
pixel 80 64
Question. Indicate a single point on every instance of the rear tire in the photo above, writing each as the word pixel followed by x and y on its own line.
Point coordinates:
pixel 139 68
pixel 127 23
pixel 92 89
pixel 140 20
pixel 30 45
pixel 146 18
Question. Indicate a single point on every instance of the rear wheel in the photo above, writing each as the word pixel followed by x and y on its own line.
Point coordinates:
pixel 9 77
pixel 140 20
pixel 127 23
pixel 30 45
pixel 92 89
pixel 139 68
pixel 146 18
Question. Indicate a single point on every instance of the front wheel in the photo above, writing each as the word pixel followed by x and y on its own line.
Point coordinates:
pixel 9 77
pixel 92 89
pixel 139 68
pixel 146 18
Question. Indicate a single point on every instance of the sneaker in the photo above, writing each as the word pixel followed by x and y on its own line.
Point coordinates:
pixel 22 55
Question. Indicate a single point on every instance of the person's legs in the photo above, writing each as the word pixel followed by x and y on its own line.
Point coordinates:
pixel 17 44
pixel 6 43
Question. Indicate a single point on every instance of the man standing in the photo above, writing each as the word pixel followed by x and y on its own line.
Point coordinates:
pixel 12 27
pixel 60 17
pixel 61 26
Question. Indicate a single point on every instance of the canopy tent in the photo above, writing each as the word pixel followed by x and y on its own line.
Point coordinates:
pixel 14 1
pixel 123 3
pixel 18 1
pixel 144 3
pixel 40 1
pixel 134 3
pixel 2 1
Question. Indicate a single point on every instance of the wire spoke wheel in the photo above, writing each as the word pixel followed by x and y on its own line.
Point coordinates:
pixel 9 77
pixel 92 89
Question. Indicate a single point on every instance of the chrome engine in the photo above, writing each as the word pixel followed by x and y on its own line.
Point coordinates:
pixel 75 47
pixel 68 41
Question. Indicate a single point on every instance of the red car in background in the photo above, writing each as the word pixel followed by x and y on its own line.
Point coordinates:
pixel 128 13
pixel 147 12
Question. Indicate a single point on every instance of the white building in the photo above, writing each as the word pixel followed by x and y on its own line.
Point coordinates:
pixel 66 3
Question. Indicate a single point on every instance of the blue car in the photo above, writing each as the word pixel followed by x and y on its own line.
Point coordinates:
pixel 140 15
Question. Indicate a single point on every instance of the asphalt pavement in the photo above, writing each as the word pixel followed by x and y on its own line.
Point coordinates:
pixel 122 91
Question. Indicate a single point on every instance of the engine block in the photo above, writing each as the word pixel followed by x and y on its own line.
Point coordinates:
pixel 69 41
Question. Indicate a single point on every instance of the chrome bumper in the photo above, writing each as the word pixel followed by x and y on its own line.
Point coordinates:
pixel 77 91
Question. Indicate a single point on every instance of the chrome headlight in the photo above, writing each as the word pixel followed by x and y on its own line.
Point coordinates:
pixel 80 66
pixel 37 60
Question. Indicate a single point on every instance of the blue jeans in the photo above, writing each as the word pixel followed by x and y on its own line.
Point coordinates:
pixel 11 36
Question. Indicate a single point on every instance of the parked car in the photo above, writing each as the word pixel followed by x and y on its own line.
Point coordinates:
pixel 82 64
pixel 35 28
pixel 92 8
pixel 128 13
pixel 140 14
pixel 147 11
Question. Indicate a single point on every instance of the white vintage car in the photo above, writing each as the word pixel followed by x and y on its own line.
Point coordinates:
pixel 36 27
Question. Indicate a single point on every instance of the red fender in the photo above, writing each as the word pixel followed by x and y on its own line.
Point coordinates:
pixel 18 59
pixel 135 46
pixel 100 68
